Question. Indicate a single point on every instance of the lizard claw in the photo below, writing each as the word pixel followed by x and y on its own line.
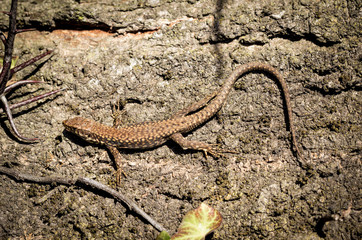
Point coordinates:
pixel 119 174
pixel 216 151
pixel 117 112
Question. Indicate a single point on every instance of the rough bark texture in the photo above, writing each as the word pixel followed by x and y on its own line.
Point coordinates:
pixel 161 55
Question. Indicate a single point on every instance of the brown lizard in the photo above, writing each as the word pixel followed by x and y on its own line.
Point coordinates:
pixel 151 134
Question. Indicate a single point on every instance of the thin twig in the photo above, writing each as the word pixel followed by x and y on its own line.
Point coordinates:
pixel 24 177
pixel 29 62
pixel 12 124
pixel 81 181
pixel 9 46
pixel 2 37
pixel 6 65
pixel 6 13
pixel 33 99
pixel 25 30
pixel 19 83
pixel 120 197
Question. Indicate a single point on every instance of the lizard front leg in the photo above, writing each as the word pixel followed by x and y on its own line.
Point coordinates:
pixel 118 159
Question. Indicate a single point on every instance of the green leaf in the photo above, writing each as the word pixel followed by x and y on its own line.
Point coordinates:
pixel 198 223
pixel 163 236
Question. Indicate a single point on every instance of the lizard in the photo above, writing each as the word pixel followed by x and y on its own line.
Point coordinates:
pixel 151 134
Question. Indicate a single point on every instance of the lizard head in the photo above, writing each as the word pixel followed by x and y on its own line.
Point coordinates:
pixel 79 126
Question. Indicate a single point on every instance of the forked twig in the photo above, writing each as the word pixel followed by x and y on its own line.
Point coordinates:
pixel 12 124
pixel 7 72
pixel 33 99
pixel 82 182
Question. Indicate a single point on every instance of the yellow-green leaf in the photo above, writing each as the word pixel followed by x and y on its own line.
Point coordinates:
pixel 163 236
pixel 198 223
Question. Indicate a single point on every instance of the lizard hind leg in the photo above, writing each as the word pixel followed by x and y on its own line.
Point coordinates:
pixel 212 149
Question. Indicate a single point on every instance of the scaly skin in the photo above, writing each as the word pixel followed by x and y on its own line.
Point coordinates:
pixel 151 134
